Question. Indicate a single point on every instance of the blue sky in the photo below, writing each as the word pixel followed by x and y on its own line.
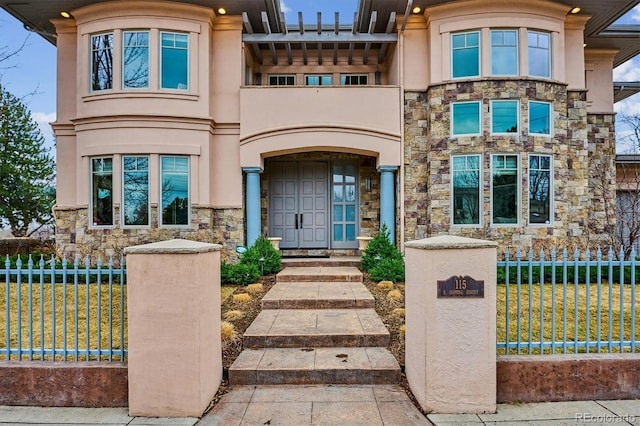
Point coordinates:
pixel 34 70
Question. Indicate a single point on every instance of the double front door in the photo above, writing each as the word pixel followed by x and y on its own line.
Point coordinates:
pixel 311 208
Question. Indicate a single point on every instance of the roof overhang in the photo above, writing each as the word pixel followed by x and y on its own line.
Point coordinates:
pixel 622 90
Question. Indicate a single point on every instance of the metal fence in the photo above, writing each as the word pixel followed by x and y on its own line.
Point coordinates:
pixel 63 311
pixel 584 303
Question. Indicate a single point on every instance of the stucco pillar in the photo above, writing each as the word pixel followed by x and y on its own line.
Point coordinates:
pixel 451 324
pixel 387 199
pixel 253 203
pixel 175 351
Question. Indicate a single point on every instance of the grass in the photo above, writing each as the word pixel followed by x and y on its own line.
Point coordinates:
pixel 48 318
pixel 226 291
pixel 536 321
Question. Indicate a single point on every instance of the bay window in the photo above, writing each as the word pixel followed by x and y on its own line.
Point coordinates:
pixel 539 118
pixel 504 117
pixel 135 60
pixel 135 190
pixel 505 189
pixel 465 118
pixel 504 52
pixel 101 191
pixel 174 62
pixel 539 45
pixel 465 54
pixel 174 181
pixel 540 189
pixel 102 62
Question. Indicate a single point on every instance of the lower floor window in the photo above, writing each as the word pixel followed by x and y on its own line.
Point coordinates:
pixel 466 190
pixel 504 189
pixel 540 189
pixel 135 190
pixel 102 191
pixel 174 173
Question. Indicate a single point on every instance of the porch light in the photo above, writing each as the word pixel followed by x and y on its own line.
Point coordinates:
pixel 417 9
pixel 576 9
pixel 65 14
pixel 222 11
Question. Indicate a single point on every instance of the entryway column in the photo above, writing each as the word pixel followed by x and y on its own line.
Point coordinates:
pixel 387 199
pixel 253 203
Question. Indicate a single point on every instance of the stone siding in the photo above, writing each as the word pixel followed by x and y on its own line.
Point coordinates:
pixel 429 146
pixel 74 236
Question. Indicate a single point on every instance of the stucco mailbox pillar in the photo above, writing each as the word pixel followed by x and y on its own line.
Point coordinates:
pixel 173 303
pixel 451 324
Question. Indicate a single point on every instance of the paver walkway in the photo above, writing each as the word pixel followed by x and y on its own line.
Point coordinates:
pixel 316 354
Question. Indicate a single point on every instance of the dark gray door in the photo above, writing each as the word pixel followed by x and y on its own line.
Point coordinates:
pixel 298 204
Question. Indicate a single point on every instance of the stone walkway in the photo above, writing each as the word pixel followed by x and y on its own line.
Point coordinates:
pixel 316 354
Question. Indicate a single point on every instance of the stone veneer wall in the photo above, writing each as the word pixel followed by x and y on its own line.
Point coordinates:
pixel 369 200
pixel 73 235
pixel 602 179
pixel 429 146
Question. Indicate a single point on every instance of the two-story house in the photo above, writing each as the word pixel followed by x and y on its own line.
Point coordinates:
pixel 219 121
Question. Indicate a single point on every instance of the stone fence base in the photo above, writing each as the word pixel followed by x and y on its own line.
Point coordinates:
pixel 581 377
pixel 520 379
pixel 64 384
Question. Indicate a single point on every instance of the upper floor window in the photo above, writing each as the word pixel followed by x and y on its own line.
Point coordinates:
pixel 102 191
pixel 174 62
pixel 539 54
pixel 354 79
pixel 465 118
pixel 135 60
pixel 505 187
pixel 504 52
pixel 466 189
pixel 102 61
pixel 317 80
pixel 504 117
pixel 135 190
pixel 174 172
pixel 539 118
pixel 540 168
pixel 282 80
pixel 465 54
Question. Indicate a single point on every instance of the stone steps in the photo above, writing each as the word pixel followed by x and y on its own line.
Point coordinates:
pixel 318 295
pixel 320 274
pixel 317 326
pixel 300 328
pixel 334 261
pixel 335 365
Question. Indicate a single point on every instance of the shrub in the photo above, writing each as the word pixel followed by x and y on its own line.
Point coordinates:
pixel 255 288
pixel 241 274
pixel 263 249
pixel 395 295
pixel 381 249
pixel 388 269
pixel 233 315
pixel 241 298
pixel 228 333
pixel 226 270
pixel 385 285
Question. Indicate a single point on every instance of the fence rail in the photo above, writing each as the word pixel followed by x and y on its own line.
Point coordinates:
pixel 557 304
pixel 65 311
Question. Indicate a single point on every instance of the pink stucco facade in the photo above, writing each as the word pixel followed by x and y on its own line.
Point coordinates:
pixel 233 116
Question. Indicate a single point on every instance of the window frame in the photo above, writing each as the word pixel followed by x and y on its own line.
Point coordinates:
pixel 479 50
pixel 161 60
pixel 270 76
pixel 345 77
pixel 518 185
pixel 124 189
pixel 516 47
pixel 550 117
pixel 491 117
pixel 452 115
pixel 92 72
pixel 550 189
pixel 161 223
pixel 124 64
pixel 320 79
pixel 91 216
pixel 480 191
pixel 549 54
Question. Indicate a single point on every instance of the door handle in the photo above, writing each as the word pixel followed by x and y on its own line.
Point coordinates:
pixel 296 224
pixel 301 220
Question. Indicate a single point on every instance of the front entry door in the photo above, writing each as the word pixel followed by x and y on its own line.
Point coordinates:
pixel 298 204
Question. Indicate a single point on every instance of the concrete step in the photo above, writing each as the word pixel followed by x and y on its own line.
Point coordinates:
pixel 353 261
pixel 318 295
pixel 319 274
pixel 339 365
pixel 301 328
